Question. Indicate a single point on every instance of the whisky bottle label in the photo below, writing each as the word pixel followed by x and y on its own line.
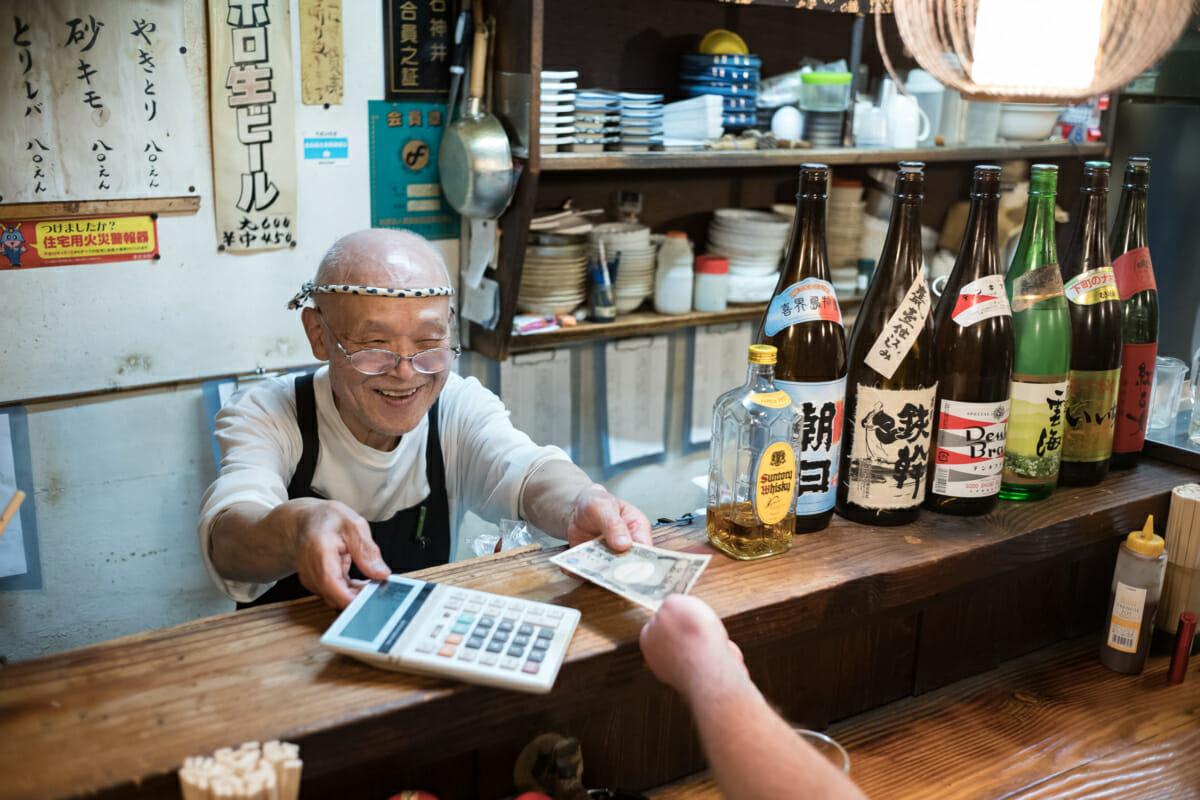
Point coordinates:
pixel 1092 287
pixel 809 300
pixel 1091 414
pixel 822 406
pixel 778 399
pixel 889 449
pixel 1129 603
pixel 1133 396
pixel 901 330
pixel 775 483
pixel 1134 273
pixel 1033 444
pixel 981 299
pixel 1035 286
pixel 970 448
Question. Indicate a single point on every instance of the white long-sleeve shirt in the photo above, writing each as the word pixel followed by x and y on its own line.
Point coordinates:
pixel 487 460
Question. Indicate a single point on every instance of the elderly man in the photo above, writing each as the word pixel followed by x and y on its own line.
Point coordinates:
pixel 367 467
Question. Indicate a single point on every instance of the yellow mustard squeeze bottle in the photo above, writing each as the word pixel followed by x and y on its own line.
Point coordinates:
pixel 1136 586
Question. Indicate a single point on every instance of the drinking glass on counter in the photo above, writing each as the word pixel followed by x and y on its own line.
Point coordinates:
pixel 1194 425
pixel 833 752
pixel 1168 386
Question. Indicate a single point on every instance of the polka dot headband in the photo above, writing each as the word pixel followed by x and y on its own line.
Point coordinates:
pixel 309 289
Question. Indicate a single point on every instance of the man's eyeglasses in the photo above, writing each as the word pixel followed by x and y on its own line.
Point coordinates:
pixel 377 362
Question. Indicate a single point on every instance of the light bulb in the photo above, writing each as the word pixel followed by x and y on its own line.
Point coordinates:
pixel 1037 44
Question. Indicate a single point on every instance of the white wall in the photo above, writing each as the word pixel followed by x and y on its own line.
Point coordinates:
pixel 118 475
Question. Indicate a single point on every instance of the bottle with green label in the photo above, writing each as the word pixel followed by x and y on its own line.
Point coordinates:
pixel 804 321
pixel 752 464
pixel 1091 290
pixel 1042 349
pixel 891 382
pixel 1129 247
pixel 973 353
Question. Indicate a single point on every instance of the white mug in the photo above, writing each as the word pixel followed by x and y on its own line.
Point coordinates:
pixel 870 125
pixel 906 122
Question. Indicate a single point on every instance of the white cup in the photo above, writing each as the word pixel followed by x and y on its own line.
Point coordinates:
pixel 906 122
pixel 870 125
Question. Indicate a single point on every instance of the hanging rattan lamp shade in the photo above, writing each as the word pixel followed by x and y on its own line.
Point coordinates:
pixel 1037 50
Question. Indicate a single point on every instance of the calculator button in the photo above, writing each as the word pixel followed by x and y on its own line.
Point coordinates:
pixel 534 611
pixel 486 622
pixel 505 626
pixel 489 659
pixel 426 646
pixel 525 630
pixel 541 645
pixel 474 608
pixel 536 655
pixel 461 627
pixel 437 631
pixel 446 650
pixel 554 613
pixel 520 641
pixel 515 651
pixel 517 606
pixel 494 646
pixel 546 633
pixel 550 623
pixel 466 619
pixel 454 638
pixel 475 642
pixel 511 663
pixel 455 601
pixel 500 636
pixel 531 667
pixel 467 655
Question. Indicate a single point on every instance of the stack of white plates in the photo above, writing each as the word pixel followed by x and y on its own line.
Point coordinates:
pixel 844 232
pixel 597 120
pixel 641 121
pixel 556 127
pixel 753 241
pixel 554 278
pixel 634 281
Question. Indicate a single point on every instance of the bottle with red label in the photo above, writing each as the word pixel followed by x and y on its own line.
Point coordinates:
pixel 1128 244
pixel 973 354
pixel 1091 291
pixel 804 322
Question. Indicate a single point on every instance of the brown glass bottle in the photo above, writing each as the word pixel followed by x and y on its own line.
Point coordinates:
pixel 1095 308
pixel 890 382
pixel 1129 247
pixel 804 322
pixel 973 355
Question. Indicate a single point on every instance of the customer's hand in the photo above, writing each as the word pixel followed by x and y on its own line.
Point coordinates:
pixel 687 647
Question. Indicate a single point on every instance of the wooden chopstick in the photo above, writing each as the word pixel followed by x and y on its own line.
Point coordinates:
pixel 10 510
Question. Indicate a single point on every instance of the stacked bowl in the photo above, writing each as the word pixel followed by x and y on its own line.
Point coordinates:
pixel 844 232
pixel 554 278
pixel 630 243
pixel 556 126
pixel 641 121
pixel 754 242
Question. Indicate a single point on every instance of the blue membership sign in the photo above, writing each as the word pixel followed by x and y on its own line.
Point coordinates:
pixel 406 188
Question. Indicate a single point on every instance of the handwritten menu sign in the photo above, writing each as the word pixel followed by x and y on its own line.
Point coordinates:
pixel 417 38
pixel 99 102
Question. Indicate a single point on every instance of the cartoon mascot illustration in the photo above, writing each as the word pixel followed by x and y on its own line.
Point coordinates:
pixel 13 244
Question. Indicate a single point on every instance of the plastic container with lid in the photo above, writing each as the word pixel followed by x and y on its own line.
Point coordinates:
pixel 673 276
pixel 1132 603
pixel 712 283
pixel 825 91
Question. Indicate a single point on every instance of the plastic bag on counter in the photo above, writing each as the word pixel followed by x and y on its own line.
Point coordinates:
pixel 513 533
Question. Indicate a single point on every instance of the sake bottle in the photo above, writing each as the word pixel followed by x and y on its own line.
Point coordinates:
pixel 1042 349
pixel 804 322
pixel 973 355
pixel 1128 245
pixel 1091 290
pixel 890 382
pixel 752 464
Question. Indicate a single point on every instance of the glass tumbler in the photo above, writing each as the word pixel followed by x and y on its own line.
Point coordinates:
pixel 1194 425
pixel 1165 395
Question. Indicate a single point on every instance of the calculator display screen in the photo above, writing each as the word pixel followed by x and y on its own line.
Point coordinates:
pixel 366 624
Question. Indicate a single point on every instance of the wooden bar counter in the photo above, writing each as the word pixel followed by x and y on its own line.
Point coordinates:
pixel 851 619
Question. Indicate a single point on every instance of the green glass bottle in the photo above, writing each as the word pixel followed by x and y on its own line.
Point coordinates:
pixel 1129 246
pixel 1042 336
pixel 1095 306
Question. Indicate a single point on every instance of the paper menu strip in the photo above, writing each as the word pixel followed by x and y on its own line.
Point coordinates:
pixel 536 388
pixel 633 381
pixel 718 364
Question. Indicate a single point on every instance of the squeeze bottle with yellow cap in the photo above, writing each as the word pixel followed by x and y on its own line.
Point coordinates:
pixel 1136 585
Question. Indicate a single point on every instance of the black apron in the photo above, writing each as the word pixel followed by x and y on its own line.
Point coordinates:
pixel 414 538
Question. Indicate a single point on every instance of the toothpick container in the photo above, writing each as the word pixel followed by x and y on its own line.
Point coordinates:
pixel 1181 586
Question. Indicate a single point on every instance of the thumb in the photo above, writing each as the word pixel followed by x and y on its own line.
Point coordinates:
pixel 365 553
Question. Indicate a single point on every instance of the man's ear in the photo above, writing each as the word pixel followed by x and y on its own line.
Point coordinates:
pixel 312 328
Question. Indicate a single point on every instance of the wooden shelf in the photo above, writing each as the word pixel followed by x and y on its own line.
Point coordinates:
pixel 718 159
pixel 644 323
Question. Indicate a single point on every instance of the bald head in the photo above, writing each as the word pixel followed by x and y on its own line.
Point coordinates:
pixel 383 257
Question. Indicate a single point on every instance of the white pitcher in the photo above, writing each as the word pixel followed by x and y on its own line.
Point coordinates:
pixel 906 122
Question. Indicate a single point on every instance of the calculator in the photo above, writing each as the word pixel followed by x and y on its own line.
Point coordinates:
pixel 447 631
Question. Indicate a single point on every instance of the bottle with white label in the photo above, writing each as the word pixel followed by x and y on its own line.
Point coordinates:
pixel 752 464
pixel 804 321
pixel 1133 601
pixel 973 351
pixel 891 383
pixel 1091 290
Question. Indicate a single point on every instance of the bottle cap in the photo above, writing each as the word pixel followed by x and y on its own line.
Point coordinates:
pixel 1145 542
pixel 676 235
pixel 712 265
pixel 813 180
pixel 1183 647
pixel 985 181
pixel 1137 172
pixel 762 354
pixel 1095 176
